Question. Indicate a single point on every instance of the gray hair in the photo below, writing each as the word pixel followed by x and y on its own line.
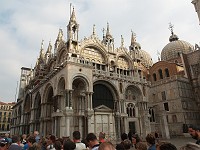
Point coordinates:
pixel 190 146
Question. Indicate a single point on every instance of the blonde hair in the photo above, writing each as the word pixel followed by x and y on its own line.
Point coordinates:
pixel 141 146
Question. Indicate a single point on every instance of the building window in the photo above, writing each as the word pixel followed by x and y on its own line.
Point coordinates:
pixel 160 73
pixel 166 72
pixel 4 113
pixel 154 77
pixel 166 106
pixel 163 96
pixel 130 110
pixel 152 115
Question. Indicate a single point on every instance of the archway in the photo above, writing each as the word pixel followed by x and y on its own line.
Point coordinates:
pixel 79 104
pixel 37 111
pixel 104 105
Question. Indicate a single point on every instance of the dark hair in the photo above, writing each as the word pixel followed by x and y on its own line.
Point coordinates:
pixel 124 136
pixel 150 139
pixel 15 139
pixel 167 146
pixel 31 139
pixel 52 138
pixel 58 145
pixel 127 144
pixel 69 145
pixel 196 128
pixel 91 137
pixel 136 136
pixel 76 135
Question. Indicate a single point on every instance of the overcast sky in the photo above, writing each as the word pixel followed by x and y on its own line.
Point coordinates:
pixel 25 23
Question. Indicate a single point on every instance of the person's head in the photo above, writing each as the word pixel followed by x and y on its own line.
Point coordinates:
pixel 106 146
pixel 52 139
pixel 36 133
pixel 124 136
pixel 167 146
pixel 194 131
pixel 69 145
pixel 135 138
pixel 127 144
pixel 15 139
pixel 190 146
pixel 31 140
pixel 76 135
pixel 58 145
pixel 3 144
pixel 24 136
pixel 141 146
pixel 150 139
pixel 101 135
pixel 91 139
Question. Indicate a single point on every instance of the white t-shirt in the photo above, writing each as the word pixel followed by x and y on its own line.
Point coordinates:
pixel 80 146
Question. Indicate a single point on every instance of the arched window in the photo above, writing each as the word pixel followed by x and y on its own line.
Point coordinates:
pixel 160 73
pixel 154 77
pixel 166 72
pixel 130 109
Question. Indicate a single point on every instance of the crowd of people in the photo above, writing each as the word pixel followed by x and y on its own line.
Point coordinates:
pixel 92 142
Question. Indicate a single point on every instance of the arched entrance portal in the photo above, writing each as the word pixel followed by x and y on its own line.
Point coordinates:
pixel 79 104
pixel 103 101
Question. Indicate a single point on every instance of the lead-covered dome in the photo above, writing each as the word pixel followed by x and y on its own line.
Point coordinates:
pixel 175 48
pixel 146 59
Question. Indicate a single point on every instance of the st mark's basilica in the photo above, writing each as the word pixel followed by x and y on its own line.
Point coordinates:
pixel 91 86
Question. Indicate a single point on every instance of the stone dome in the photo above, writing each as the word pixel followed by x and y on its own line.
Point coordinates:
pixel 146 58
pixel 175 48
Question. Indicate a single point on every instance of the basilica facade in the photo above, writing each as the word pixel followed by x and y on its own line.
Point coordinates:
pixel 91 86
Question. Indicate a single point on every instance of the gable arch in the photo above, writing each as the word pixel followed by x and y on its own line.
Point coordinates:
pixel 133 93
pixel 90 50
pixel 121 62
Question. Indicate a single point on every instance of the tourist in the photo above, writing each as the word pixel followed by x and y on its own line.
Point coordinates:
pixel 4 144
pixel 15 143
pixel 151 142
pixel 106 146
pixel 167 146
pixel 32 145
pixel 36 135
pixel 120 146
pixel 135 139
pixel 92 141
pixel 50 142
pixel 194 131
pixel 190 146
pixel 69 145
pixel 77 141
pixel 102 137
pixel 141 146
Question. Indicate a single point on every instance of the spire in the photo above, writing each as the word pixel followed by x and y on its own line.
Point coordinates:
pixel 133 37
pixel 73 16
pixel 42 49
pixel 94 30
pixel 60 35
pixel 173 37
pixel 122 41
pixel 49 47
pixel 108 35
